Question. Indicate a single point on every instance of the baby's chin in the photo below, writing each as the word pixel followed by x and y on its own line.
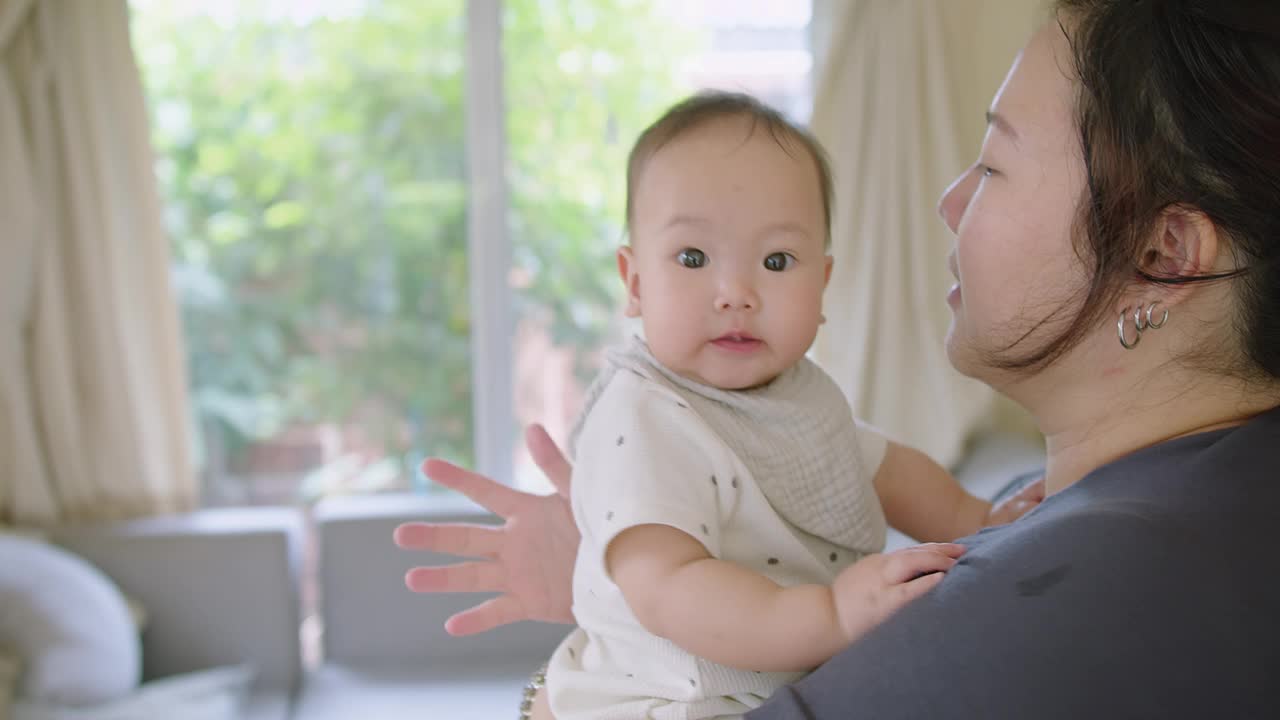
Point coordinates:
pixel 714 367
pixel 719 376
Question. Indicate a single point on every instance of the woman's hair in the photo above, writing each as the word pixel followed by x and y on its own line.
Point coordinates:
pixel 1178 106
pixel 704 107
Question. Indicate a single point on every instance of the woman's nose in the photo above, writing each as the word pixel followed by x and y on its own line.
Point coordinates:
pixel 955 200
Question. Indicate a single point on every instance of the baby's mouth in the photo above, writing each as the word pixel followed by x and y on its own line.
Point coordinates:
pixel 737 342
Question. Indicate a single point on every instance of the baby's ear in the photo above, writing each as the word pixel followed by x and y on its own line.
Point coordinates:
pixel 826 277
pixel 631 279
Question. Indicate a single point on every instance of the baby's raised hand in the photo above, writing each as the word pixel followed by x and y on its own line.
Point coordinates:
pixel 869 591
pixel 1017 504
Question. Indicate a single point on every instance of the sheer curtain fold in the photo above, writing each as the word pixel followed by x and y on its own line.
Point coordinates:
pixel 899 101
pixel 93 415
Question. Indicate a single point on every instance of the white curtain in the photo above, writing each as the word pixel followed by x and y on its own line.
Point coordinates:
pixel 93 407
pixel 900 94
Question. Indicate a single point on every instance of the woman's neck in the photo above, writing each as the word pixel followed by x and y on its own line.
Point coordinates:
pixel 1095 423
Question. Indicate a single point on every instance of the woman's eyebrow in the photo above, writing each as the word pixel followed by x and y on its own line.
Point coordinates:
pixel 1003 125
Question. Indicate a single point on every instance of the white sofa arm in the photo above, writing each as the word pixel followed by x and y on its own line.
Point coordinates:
pixel 218 586
pixel 370 616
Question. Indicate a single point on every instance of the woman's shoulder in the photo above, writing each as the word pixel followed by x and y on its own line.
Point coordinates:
pixel 1115 597
pixel 1116 555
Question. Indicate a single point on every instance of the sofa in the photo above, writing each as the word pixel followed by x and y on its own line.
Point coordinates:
pixel 222 586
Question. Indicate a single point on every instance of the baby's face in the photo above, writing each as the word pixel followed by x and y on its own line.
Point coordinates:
pixel 727 262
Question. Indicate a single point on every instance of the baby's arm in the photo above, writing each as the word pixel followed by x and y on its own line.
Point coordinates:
pixel 923 500
pixel 728 614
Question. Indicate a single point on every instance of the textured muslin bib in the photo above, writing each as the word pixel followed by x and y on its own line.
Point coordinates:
pixel 796 435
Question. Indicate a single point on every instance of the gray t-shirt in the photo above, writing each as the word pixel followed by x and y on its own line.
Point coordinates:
pixel 1149 589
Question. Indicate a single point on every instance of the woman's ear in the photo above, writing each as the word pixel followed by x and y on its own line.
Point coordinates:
pixel 631 279
pixel 1186 243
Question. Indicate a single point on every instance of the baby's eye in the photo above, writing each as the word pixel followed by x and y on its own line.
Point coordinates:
pixel 692 258
pixel 986 170
pixel 779 261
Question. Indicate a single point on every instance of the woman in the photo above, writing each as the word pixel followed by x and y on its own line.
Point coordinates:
pixel 1118 262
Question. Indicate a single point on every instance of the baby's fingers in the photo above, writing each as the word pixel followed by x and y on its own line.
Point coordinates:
pixel 906 565
pixel 907 592
pixel 953 550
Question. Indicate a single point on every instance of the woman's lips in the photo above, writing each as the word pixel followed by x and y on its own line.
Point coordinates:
pixel 953 297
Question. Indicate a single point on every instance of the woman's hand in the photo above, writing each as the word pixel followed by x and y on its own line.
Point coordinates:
pixel 1016 505
pixel 529 559
pixel 867 592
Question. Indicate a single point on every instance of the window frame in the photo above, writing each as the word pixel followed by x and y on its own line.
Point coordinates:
pixel 488 242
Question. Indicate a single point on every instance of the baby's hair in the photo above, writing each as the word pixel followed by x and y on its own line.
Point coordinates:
pixel 704 107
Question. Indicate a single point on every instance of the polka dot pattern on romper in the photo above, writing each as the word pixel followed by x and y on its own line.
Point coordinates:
pixel 620 440
pixel 773 561
pixel 833 557
pixel 705 531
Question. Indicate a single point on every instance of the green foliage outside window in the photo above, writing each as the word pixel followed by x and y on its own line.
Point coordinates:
pixel 314 182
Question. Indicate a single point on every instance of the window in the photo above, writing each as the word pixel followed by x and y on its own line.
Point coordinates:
pixel 393 222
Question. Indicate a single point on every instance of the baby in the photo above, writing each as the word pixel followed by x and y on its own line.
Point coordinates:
pixel 731 508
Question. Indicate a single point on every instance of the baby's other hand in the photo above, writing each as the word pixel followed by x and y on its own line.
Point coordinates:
pixel 869 591
pixel 1016 505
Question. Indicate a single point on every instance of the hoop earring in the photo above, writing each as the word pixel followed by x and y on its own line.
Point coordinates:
pixel 1137 335
pixel 1141 321
pixel 1163 319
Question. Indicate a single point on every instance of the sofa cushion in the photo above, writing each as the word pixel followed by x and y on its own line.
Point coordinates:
pixel 219 587
pixel 398 691
pixel 368 613
pixel 68 624
pixel 214 694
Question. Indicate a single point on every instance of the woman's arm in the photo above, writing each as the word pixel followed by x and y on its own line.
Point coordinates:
pixel 736 617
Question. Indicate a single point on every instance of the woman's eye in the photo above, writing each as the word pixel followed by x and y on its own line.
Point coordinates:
pixel 779 261
pixel 692 258
pixel 986 170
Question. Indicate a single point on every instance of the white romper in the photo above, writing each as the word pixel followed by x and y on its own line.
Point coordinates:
pixel 647 451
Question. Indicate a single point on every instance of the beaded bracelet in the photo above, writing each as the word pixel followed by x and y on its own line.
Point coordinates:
pixel 536 683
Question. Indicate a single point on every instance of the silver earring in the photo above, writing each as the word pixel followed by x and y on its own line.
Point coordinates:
pixel 1141 321
pixel 1163 319
pixel 1137 334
